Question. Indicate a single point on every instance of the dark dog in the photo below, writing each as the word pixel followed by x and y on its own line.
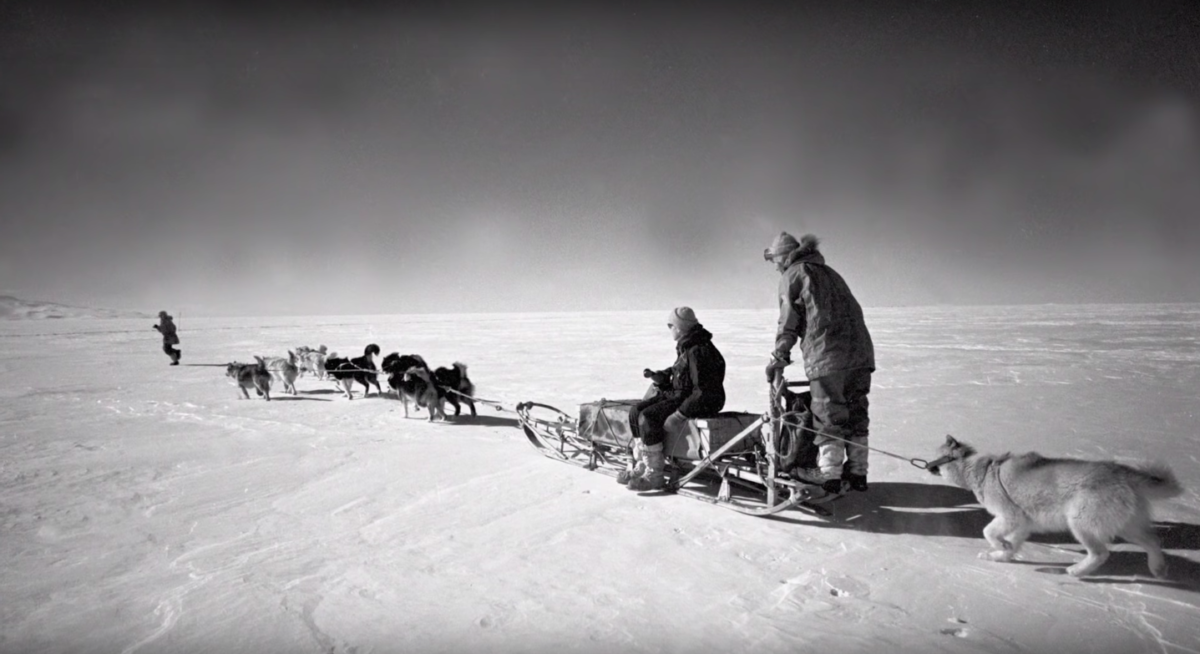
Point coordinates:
pixel 456 387
pixel 416 385
pixel 660 381
pixel 396 364
pixel 251 375
pixel 359 369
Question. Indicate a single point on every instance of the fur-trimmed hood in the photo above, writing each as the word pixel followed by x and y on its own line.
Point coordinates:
pixel 807 252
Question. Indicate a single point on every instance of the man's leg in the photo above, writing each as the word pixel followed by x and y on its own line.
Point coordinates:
pixel 830 418
pixel 858 385
pixel 651 419
pixel 650 424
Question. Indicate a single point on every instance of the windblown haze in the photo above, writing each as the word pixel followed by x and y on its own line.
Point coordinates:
pixel 316 160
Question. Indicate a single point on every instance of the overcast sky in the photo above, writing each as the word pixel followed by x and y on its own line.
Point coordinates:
pixel 347 160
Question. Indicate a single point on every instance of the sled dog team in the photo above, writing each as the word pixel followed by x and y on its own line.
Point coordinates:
pixel 1095 501
pixel 408 375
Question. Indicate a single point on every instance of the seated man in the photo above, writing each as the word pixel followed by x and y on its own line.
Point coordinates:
pixel 697 390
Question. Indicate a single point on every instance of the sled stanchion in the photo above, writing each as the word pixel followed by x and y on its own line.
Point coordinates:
pixel 707 461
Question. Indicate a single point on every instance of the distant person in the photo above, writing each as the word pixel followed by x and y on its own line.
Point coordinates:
pixel 817 309
pixel 166 327
pixel 696 390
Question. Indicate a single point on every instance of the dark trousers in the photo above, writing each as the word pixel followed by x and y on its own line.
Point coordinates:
pixel 170 351
pixel 839 408
pixel 650 415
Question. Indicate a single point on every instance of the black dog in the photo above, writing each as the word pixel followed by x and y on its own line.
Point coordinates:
pixel 396 364
pixel 359 369
pixel 456 386
pixel 660 380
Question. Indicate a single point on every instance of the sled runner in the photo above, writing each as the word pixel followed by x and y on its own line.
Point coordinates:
pixel 741 461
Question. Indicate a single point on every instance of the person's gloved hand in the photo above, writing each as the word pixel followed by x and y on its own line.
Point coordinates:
pixel 675 422
pixel 775 365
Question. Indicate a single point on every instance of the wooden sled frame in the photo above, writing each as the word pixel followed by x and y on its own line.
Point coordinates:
pixel 730 477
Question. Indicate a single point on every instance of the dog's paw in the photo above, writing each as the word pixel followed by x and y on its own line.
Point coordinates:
pixel 1002 556
pixel 1078 570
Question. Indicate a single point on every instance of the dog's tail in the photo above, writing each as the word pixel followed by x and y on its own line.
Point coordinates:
pixel 1156 481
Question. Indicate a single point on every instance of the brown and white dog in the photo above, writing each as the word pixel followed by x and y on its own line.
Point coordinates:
pixel 313 361
pixel 1096 501
pixel 285 370
pixel 251 375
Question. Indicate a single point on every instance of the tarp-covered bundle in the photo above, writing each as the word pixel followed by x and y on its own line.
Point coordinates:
pixel 609 422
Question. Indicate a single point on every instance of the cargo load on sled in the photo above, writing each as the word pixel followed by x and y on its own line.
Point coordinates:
pixel 742 461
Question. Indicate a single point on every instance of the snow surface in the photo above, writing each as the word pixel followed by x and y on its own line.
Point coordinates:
pixel 144 508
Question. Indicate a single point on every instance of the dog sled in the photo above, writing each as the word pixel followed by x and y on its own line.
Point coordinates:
pixel 742 461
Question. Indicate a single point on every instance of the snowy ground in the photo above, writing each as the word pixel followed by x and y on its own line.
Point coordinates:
pixel 144 508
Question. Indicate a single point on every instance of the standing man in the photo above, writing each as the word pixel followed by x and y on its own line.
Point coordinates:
pixel 166 327
pixel 817 309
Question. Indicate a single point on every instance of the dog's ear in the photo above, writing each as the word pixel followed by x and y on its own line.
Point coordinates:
pixel 950 441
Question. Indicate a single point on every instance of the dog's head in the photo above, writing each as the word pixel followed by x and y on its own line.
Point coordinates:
pixel 660 378
pixel 951 451
pixel 395 363
pixel 449 377
pixel 418 374
pixel 235 369
pixel 465 385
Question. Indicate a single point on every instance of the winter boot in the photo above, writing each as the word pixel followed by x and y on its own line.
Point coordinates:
pixel 830 483
pixel 857 482
pixel 828 475
pixel 639 466
pixel 652 478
